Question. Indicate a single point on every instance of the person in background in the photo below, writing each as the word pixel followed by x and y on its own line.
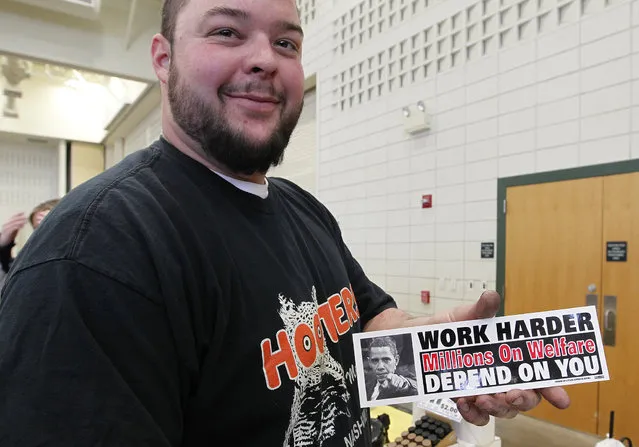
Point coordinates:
pixel 12 227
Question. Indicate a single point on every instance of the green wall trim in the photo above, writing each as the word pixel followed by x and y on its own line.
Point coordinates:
pixel 622 167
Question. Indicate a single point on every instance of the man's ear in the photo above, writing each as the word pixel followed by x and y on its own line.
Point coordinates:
pixel 161 57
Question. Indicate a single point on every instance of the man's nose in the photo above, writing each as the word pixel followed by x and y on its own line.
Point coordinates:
pixel 262 57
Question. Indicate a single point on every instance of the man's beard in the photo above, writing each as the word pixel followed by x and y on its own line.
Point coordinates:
pixel 216 136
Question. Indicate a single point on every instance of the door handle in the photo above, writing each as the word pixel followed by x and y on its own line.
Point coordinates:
pixel 610 320
pixel 591 300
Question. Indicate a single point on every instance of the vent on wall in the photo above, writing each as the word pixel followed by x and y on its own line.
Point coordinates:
pixel 468 34
pixel 307 10
pixel 86 9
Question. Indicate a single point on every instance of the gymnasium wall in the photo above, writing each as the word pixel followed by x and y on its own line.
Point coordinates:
pixel 512 87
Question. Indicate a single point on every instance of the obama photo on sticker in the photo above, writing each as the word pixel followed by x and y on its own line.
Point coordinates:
pixel 389 367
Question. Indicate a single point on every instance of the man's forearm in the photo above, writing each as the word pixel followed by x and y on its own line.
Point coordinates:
pixel 396 318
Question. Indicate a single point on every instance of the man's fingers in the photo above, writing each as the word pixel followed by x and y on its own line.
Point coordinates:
pixel 497 406
pixel 508 405
pixel 471 413
pixel 523 400
pixel 557 397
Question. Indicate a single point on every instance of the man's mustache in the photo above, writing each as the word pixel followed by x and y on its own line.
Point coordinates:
pixel 253 88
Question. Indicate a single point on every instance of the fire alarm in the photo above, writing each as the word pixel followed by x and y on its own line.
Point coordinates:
pixel 425 297
pixel 427 201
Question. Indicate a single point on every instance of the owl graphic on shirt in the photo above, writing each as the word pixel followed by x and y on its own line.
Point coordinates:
pixel 321 394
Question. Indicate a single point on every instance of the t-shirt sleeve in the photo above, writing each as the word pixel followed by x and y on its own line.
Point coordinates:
pixel 371 299
pixel 83 365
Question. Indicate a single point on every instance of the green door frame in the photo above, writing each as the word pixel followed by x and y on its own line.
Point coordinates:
pixel 622 167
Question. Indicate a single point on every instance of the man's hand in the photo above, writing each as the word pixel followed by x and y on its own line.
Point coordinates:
pixel 395 382
pixel 10 229
pixel 477 410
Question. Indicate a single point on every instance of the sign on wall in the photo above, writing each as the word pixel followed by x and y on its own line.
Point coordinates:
pixel 488 250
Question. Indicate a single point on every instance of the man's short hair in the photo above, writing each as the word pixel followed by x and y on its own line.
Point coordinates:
pixel 44 206
pixel 170 11
pixel 385 342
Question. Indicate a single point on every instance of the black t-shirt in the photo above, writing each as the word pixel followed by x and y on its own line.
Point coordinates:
pixel 159 305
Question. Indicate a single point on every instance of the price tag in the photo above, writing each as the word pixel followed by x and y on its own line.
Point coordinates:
pixel 442 407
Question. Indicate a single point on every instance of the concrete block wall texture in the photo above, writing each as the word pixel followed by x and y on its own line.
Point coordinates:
pixel 513 87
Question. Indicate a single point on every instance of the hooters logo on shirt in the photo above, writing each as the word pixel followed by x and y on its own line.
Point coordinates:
pixel 302 343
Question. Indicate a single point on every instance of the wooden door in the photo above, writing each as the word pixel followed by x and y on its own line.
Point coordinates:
pixel 621 280
pixel 553 254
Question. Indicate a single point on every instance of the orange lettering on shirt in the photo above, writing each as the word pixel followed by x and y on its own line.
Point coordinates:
pixel 338 313
pixel 272 360
pixel 324 312
pixel 350 305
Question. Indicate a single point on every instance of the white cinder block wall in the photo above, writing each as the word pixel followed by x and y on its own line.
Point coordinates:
pixel 513 87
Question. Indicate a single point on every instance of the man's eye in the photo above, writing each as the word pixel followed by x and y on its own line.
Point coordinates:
pixel 225 32
pixel 288 45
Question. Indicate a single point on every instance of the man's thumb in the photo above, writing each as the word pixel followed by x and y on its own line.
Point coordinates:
pixel 486 307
